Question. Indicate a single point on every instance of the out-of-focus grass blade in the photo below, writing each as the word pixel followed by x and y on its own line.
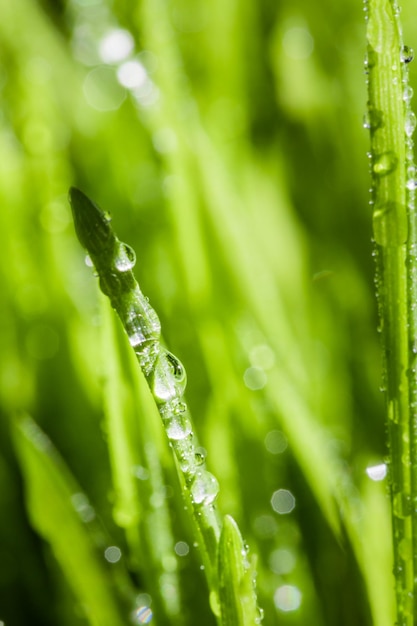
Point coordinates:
pixel 122 434
pixel 237 597
pixel 136 447
pixel 377 553
pixel 49 489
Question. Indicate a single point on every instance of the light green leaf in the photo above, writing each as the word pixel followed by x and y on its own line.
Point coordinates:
pixel 51 499
pixel 237 597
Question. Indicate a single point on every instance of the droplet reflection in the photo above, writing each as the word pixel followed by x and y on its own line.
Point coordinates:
pixel 276 442
pixel 181 548
pixel 377 472
pixel 143 615
pixel 255 378
pixel 287 598
pixel 132 75
pixel 283 501
pixel 116 45
pixel 282 561
pixel 112 554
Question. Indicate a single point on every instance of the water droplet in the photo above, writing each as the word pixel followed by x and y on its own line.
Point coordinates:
pixel 147 355
pixel 204 488
pixel 88 261
pixel 259 615
pixel 385 163
pixel 178 427
pixel 125 258
pixel 186 459
pixel 377 472
pixel 373 119
pixel 178 370
pixel 390 224
pixel 168 379
pixel 141 327
pixel 200 456
pixel 370 60
pixel 402 505
pixel 407 93
pixel 407 606
pixel 410 123
pixel 411 184
pixel 179 407
pixel 407 54
pixel 405 549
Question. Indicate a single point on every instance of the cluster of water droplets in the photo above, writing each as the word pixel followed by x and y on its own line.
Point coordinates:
pixel 389 217
pixel 139 319
pixel 167 380
pixel 410 124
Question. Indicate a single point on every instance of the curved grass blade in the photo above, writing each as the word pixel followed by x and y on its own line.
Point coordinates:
pixel 51 493
pixel 237 599
pixel 164 373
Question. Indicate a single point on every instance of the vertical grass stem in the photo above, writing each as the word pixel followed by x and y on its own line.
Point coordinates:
pixel 391 124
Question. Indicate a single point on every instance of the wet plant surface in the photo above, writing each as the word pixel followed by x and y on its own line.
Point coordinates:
pixel 226 140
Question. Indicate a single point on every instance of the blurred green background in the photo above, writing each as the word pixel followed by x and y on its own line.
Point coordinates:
pixel 226 140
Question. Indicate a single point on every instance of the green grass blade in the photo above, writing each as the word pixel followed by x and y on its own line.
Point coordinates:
pixel 165 375
pixel 237 598
pixel 121 431
pixel 49 489
pixel 136 452
pixel 391 124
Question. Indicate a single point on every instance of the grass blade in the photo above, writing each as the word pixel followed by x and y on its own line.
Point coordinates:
pixel 49 490
pixel 391 124
pixel 237 598
pixel 164 373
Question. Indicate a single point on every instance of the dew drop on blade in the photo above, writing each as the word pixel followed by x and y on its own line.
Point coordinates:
pixel 178 427
pixel 407 93
pixel 407 54
pixel 410 123
pixel 125 258
pixel 205 488
pixel 169 378
pixel 385 164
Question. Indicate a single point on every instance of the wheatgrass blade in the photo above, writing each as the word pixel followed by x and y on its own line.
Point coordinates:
pixel 392 123
pixel 236 597
pixel 53 498
pixel 136 452
pixel 165 375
